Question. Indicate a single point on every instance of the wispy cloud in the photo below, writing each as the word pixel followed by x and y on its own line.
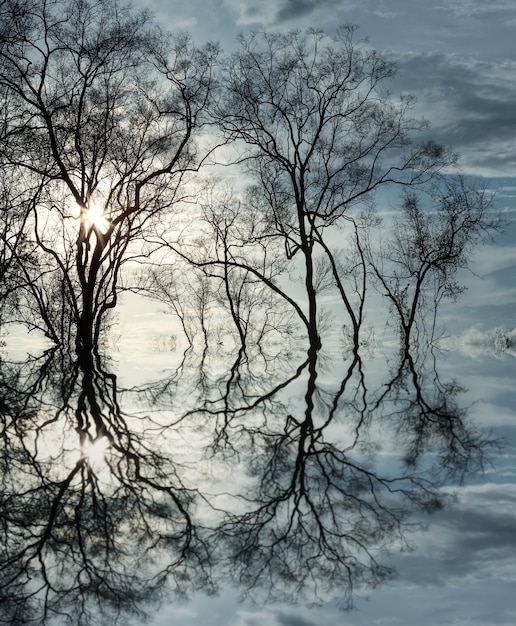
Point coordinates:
pixel 477 7
pixel 282 12
pixel 470 105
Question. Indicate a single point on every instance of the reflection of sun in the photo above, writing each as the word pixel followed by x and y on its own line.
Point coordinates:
pixel 95 450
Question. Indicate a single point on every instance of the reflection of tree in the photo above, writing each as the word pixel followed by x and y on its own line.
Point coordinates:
pixel 91 537
pixel 317 511
pixel 430 419
pixel 317 504
pixel 283 485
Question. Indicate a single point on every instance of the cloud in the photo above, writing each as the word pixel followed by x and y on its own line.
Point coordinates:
pixel 461 8
pixel 470 104
pixel 249 13
pixel 280 12
pixel 490 258
pixel 476 342
pixel 293 9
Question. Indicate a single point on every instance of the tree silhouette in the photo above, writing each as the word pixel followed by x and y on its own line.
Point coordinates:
pixel 432 238
pixel 259 456
pixel 106 110
pixel 320 134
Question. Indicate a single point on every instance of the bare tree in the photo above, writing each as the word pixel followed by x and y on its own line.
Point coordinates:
pixel 320 134
pixel 104 111
pixel 107 107
pixel 433 236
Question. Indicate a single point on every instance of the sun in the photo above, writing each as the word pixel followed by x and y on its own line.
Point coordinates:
pixel 94 216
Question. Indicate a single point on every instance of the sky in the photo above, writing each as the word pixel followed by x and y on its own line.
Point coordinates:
pixel 458 57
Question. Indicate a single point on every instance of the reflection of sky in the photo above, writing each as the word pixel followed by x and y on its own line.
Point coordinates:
pixel 462 568
pixel 459 58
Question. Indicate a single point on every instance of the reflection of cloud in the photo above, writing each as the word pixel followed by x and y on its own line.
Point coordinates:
pixel 461 572
pixel 18 343
pixel 225 610
pixel 475 342
pixel 281 617
pixel 288 619
pixel 470 542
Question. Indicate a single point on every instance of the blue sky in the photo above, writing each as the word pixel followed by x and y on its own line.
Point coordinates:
pixel 459 58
